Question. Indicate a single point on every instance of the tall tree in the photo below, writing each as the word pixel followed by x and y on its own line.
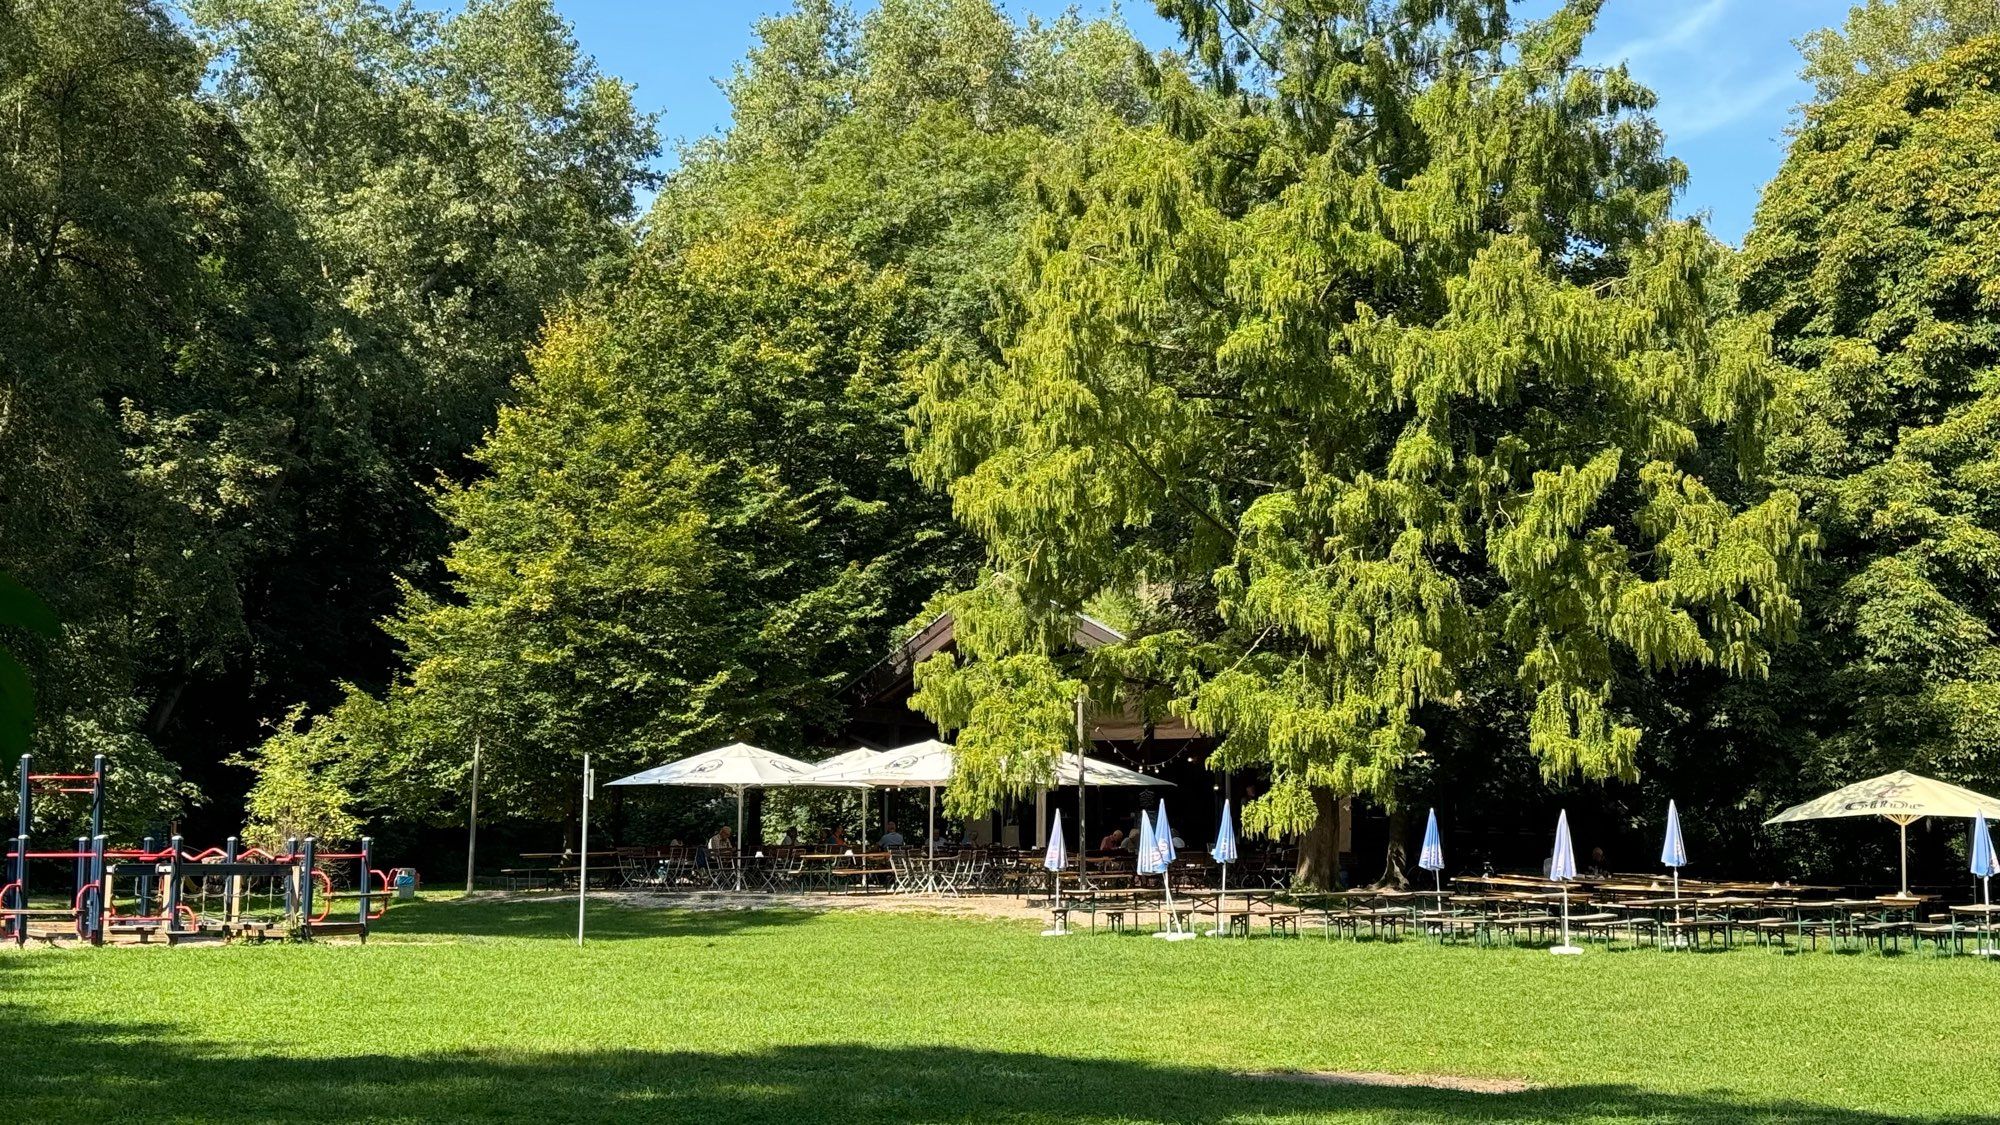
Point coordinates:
pixel 1876 255
pixel 700 519
pixel 1381 364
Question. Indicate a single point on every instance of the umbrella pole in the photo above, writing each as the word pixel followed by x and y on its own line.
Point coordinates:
pixel 1904 827
pixel 1082 826
pixel 739 837
pixel 1221 897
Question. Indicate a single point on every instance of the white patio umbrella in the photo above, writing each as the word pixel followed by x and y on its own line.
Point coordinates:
pixel 1053 861
pixel 1674 854
pixel 1901 797
pixel 1562 868
pixel 920 765
pixel 1224 854
pixel 929 765
pixel 824 775
pixel 738 766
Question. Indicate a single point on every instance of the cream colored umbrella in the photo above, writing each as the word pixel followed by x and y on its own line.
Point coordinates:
pixel 826 775
pixel 738 766
pixel 1902 797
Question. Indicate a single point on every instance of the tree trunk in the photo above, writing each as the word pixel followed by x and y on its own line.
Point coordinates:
pixel 1319 848
pixel 1396 857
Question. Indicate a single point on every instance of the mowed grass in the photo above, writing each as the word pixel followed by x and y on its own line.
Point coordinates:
pixel 488 1010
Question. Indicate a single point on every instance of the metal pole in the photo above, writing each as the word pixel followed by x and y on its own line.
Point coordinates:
pixel 1082 825
pixel 739 837
pixel 1904 826
pixel 232 885
pixel 173 903
pixel 472 820
pixel 99 897
pixel 583 854
pixel 310 845
pixel 367 876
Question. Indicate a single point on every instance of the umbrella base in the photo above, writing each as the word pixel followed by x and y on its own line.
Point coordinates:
pixel 1987 951
pixel 1180 935
pixel 1056 932
pixel 1567 950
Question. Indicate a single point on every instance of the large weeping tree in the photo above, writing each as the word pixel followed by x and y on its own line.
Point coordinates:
pixel 1378 379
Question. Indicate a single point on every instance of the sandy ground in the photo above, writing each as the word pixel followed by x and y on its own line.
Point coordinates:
pixel 965 906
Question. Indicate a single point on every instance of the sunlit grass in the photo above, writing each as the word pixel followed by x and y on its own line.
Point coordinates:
pixel 488 1009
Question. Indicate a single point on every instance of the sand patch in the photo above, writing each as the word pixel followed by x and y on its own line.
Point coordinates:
pixel 1461 1083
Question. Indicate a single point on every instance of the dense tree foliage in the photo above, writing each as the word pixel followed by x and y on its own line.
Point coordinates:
pixel 698 521
pixel 267 275
pixel 1876 252
pixel 1394 378
pixel 1882 37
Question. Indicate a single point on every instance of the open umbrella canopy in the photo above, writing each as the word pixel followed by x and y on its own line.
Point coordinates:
pixel 930 763
pixel 825 774
pixel 735 766
pixel 1901 796
pixel 920 765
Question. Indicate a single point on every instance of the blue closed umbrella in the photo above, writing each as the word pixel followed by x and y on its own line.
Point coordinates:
pixel 1053 861
pixel 1983 866
pixel 1674 852
pixel 1562 868
pixel 1164 854
pixel 1431 857
pixel 1224 853
pixel 1145 850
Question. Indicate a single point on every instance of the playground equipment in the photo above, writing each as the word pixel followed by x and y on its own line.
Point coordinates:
pixel 174 895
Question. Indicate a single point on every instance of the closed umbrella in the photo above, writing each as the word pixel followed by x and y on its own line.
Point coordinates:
pixel 1674 854
pixel 1164 854
pixel 1431 858
pixel 1983 866
pixel 1902 798
pixel 1053 861
pixel 1562 868
pixel 1224 853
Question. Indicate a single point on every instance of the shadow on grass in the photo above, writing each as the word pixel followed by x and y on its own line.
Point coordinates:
pixel 554 918
pixel 129 1069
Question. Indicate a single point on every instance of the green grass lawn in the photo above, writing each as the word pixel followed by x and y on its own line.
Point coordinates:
pixel 488 1009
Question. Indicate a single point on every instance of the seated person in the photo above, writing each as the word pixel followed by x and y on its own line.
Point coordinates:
pixel 791 839
pixel 890 837
pixel 1132 842
pixel 1112 842
pixel 722 841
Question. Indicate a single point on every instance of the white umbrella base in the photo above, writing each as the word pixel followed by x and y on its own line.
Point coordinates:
pixel 1989 951
pixel 1057 932
pixel 1567 950
pixel 1182 935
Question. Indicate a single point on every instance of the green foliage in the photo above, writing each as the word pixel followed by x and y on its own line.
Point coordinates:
pixel 268 270
pixel 699 520
pixel 301 789
pixel 692 523
pixel 1876 254
pixel 1883 37
pixel 1395 373
pixel 19 609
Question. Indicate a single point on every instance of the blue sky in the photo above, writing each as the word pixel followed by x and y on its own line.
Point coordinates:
pixel 1725 71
